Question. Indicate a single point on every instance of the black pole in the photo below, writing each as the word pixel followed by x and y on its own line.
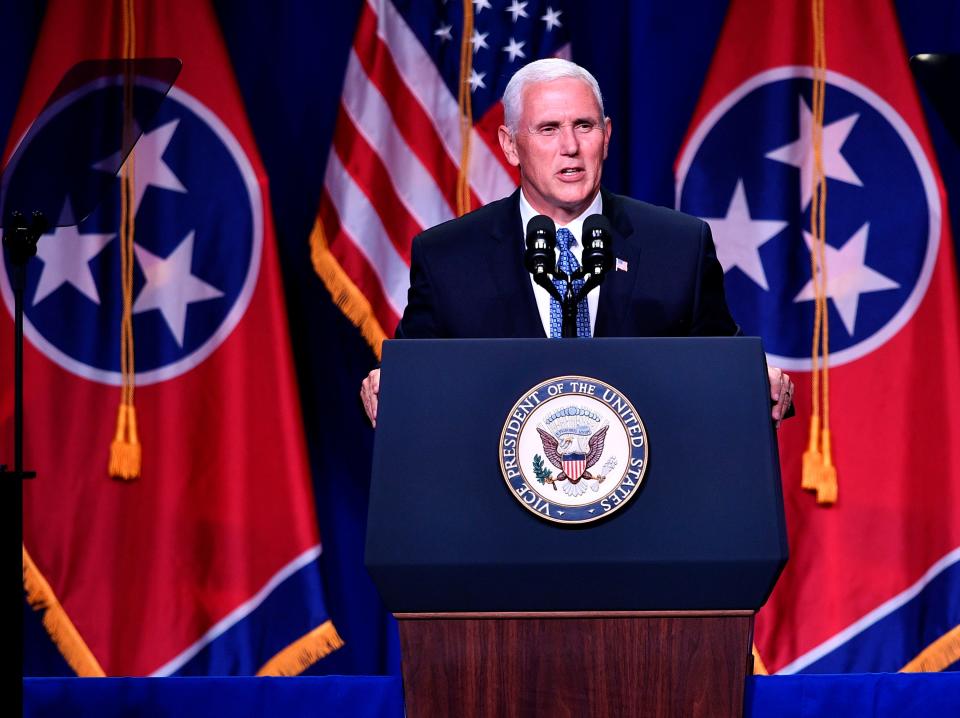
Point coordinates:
pixel 20 240
pixel 19 280
pixel 568 308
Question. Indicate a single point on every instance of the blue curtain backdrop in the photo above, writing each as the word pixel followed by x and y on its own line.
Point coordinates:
pixel 650 58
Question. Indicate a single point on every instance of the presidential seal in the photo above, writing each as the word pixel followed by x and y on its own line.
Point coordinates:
pixel 573 450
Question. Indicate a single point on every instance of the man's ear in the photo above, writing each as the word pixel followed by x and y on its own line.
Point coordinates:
pixel 509 145
pixel 607 131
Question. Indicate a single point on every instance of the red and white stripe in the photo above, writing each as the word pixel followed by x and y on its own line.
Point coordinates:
pixel 395 159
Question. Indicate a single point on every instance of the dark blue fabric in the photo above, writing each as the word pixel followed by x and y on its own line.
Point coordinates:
pixel 883 695
pixel 867 695
pixel 313 697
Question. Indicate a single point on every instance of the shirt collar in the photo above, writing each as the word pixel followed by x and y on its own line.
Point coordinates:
pixel 527 212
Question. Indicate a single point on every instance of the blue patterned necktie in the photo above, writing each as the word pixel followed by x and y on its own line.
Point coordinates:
pixel 566 262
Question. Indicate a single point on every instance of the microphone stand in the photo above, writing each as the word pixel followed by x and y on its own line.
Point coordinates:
pixel 568 300
pixel 539 261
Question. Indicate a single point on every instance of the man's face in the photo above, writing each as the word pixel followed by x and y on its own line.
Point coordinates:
pixel 560 145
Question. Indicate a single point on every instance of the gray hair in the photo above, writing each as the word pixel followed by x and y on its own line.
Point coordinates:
pixel 545 70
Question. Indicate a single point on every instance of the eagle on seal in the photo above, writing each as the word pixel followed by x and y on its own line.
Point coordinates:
pixel 551 448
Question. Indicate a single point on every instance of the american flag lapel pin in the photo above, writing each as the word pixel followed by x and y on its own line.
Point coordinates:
pixel 621 265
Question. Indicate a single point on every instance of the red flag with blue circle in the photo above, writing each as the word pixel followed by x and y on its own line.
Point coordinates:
pixel 208 563
pixel 873 582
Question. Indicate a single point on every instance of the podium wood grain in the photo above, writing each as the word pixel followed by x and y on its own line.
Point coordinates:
pixel 580 664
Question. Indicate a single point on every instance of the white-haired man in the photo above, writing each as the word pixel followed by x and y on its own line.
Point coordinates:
pixel 467 278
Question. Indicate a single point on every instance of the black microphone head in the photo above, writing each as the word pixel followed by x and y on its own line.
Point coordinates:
pixel 542 226
pixel 541 242
pixel 597 249
pixel 596 226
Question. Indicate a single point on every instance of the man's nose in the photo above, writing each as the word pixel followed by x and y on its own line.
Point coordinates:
pixel 569 141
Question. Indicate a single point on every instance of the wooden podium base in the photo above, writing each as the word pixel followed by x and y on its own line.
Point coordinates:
pixel 610 664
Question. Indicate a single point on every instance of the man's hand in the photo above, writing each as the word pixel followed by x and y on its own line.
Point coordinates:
pixel 370 393
pixel 781 391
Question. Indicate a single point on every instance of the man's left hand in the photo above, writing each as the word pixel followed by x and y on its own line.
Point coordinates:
pixel 781 392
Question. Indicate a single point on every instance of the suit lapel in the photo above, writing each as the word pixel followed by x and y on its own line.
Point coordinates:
pixel 505 262
pixel 618 286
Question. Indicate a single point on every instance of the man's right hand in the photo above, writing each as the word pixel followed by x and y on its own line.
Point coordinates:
pixel 369 394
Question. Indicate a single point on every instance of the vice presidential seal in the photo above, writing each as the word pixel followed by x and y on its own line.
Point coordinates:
pixel 573 450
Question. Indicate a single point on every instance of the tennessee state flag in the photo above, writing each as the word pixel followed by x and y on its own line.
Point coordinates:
pixel 207 563
pixel 873 581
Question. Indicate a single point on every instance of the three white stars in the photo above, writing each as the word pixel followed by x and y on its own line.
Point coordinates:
pixel 848 277
pixel 800 152
pixel 170 284
pixel 739 238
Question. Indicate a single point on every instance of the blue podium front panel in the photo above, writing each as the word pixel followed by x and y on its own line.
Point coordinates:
pixel 703 531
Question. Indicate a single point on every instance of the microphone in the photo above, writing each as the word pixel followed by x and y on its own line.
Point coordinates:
pixel 540 259
pixel 597 255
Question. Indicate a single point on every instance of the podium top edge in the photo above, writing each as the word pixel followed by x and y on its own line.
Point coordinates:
pixel 495 615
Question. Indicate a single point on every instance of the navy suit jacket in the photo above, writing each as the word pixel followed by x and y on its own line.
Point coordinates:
pixel 467 278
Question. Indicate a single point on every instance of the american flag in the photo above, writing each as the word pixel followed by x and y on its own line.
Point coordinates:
pixel 394 164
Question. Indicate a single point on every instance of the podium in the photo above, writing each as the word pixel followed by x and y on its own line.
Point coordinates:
pixel 647 610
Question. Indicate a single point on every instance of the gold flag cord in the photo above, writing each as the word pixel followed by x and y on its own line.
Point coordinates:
pixel 125 449
pixel 818 472
pixel 466 109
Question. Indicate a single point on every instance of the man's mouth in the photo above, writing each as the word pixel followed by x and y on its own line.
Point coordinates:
pixel 571 172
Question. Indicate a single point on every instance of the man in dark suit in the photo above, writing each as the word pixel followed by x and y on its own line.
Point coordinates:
pixel 467 277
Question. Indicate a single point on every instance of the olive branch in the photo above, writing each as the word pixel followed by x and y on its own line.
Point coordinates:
pixel 540 470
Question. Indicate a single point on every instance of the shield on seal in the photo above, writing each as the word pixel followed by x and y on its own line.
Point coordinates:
pixel 574 465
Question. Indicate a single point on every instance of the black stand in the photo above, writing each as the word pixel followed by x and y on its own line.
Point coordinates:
pixel 597 260
pixel 568 300
pixel 27 183
pixel 20 241
pixel 29 180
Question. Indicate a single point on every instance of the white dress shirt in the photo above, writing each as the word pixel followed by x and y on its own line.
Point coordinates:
pixel 527 212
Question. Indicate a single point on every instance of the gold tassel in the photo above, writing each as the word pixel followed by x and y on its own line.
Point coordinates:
pixel 942 653
pixel 827 486
pixel 819 473
pixel 812 458
pixel 61 629
pixel 125 452
pixel 304 652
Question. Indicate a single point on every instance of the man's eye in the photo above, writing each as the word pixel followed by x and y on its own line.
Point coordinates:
pixel 549 130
